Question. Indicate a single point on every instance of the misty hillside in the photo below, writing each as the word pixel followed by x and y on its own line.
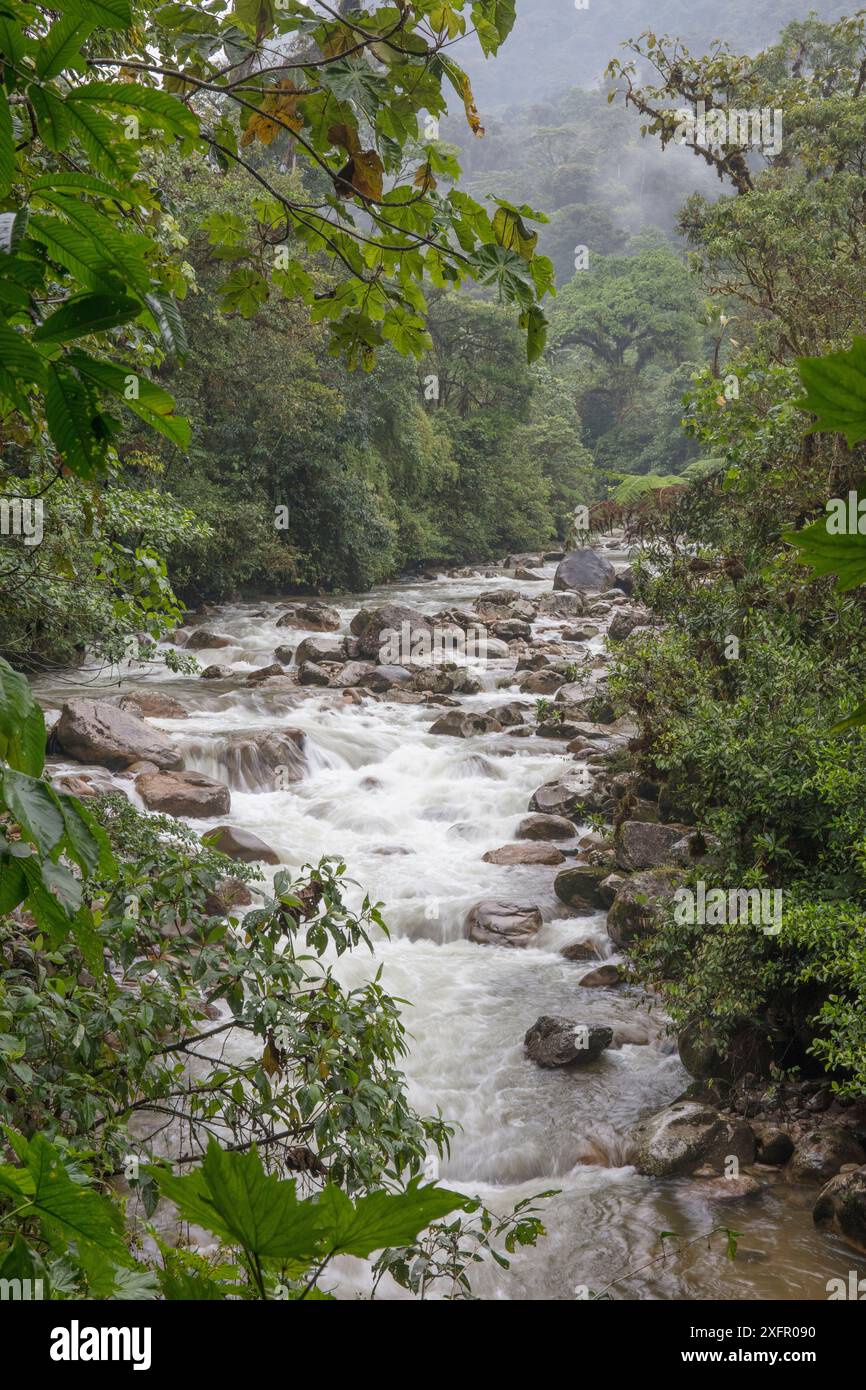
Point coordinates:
pixel 554 45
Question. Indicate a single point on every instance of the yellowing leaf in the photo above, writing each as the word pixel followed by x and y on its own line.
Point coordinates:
pixel 340 40
pixel 278 111
pixel 346 136
pixel 472 115
pixel 424 178
pixel 362 176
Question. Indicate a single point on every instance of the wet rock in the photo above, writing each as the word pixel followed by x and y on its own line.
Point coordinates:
pixel 841 1207
pixel 545 682
pixel 541 827
pixel 624 622
pixel 320 649
pixel 83 786
pixel 554 1041
pixel 819 1155
pixel 311 616
pixel 499 598
pixel 229 893
pixel 639 904
pixel 605 977
pixel 183 794
pixel 264 673
pixel 511 629
pixel 524 854
pixel 352 674
pixel 216 673
pixel 312 674
pixel 284 655
pixel 646 844
pixel 141 766
pixel 460 723
pixel 202 639
pixel 625 581
pixel 385 678
pixel 694 848
pixel 241 844
pixel 723 1189
pixel 564 796
pixel 582 570
pixel 509 715
pixel 522 572
pixel 775 1146
pixel 152 704
pixel 561 605
pixel 580 887
pixel 492 923
pixel 580 951
pixel 267 760
pixel 689 1135
pixel 94 731
pixel 384 631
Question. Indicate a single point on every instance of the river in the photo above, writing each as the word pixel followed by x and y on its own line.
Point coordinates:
pixel 412 815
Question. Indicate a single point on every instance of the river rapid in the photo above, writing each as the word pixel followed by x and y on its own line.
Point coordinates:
pixel 412 814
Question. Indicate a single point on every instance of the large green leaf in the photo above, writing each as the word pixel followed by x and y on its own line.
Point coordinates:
pixel 87 313
pixel 7 146
pixel 108 14
pixel 50 117
pixel 73 422
pixel 34 805
pixel 70 1208
pixel 22 724
pixel 383 1219
pixel 233 1196
pixel 836 391
pixel 152 403
pixel 162 108
pixel 844 556
pixel 62 43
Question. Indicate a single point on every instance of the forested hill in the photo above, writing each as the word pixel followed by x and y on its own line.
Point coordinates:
pixel 555 45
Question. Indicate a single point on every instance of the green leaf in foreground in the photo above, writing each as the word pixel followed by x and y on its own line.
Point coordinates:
pixel 836 391
pixel 844 556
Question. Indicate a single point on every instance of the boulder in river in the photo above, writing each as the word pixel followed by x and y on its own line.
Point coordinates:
pixel 241 844
pixel 544 682
pixel 524 854
pixel 266 760
pixel 152 704
pixel 579 887
pixel 384 678
pixel 689 1135
pixel 819 1154
pixel 183 794
pixel 582 570
pixel 202 639
pixel 554 1041
pixel 264 673
pixel 94 731
pixel 383 633
pixel 284 655
pixel 492 923
pixel 603 977
pixel 561 605
pixel 624 622
pixel 540 827
pixel 565 796
pixel 310 673
pixel 646 844
pixel 216 673
pixel 311 616
pixel 841 1207
pixel 512 629
pixel 461 723
pixel 640 902
pixel 319 649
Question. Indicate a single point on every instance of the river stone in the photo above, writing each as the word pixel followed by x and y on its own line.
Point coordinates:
pixel 152 704
pixel 582 570
pixel 522 572
pixel 321 648
pixel 461 723
pixel 645 844
pixel 499 598
pixel 266 759
pixel 562 605
pixel 545 682
pixel 284 655
pixel 554 1041
pixel 640 903
pixel 492 923
pixel 524 854
pixel 841 1207
pixel 540 827
pixel 580 887
pixel 216 673
pixel 820 1154
pixel 202 639
pixel 609 887
pixel 605 977
pixel 562 798
pixel 623 622
pixel 512 629
pixel 312 674
pixel 352 674
pixel 183 794
pixel 241 844
pixel 775 1145
pixel 689 1135
pixel 376 627
pixel 264 673
pixel 625 580
pixel 94 731
pixel 708 1054
pixel 384 678
pixel 509 715
pixel 579 951
pixel 312 616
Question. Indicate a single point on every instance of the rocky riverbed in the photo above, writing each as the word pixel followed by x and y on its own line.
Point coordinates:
pixel 471 797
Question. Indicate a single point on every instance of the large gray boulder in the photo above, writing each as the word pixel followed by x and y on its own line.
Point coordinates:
pixel 580 887
pixel 461 723
pixel 539 827
pixel 689 1135
pixel 820 1154
pixel 94 731
pixel 640 904
pixel 242 845
pixel 203 639
pixel 563 798
pixel 841 1207
pixel 379 629
pixel 502 924
pixel 524 854
pixel 554 1041
pixel 183 794
pixel 311 616
pixel 644 844
pixel 152 704
pixel 567 604
pixel 319 649
pixel 584 569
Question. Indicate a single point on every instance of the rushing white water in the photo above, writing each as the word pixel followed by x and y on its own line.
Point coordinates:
pixel 412 815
